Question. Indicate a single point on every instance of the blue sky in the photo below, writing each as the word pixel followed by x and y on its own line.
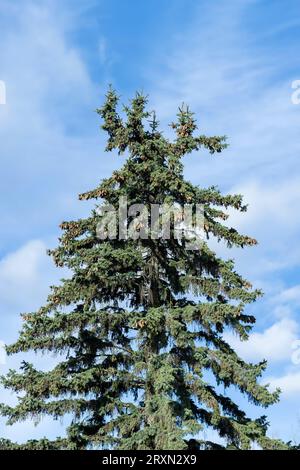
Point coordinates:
pixel 234 62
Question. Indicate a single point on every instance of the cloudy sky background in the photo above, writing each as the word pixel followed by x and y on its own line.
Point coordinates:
pixel 234 62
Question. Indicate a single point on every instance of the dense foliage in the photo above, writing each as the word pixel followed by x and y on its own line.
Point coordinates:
pixel 139 323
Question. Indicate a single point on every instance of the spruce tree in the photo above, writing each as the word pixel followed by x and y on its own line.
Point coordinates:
pixel 138 326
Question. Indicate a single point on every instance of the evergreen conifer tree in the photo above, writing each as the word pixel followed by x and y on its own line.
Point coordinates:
pixel 139 323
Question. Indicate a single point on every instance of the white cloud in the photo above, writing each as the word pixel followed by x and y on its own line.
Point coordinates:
pixel 48 125
pixel 271 205
pixel 49 68
pixel 289 296
pixel 21 267
pixel 25 276
pixel 270 219
pixel 234 89
pixel 289 383
pixel 274 343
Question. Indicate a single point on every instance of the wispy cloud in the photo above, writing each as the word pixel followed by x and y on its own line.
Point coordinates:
pixel 24 275
pixel 288 383
pixel 274 343
pixel 48 127
pixel 290 296
pixel 235 87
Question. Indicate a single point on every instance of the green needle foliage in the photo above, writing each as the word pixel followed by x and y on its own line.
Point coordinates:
pixel 138 326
